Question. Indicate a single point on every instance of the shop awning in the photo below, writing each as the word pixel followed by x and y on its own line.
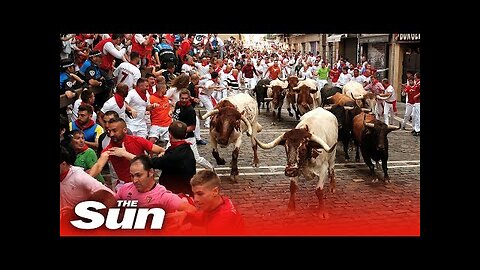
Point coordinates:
pixel 335 37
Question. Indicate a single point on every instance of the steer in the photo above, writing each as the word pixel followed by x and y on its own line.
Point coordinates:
pixel 308 96
pixel 230 118
pixel 364 98
pixel 276 93
pixel 371 135
pixel 291 98
pixel 311 148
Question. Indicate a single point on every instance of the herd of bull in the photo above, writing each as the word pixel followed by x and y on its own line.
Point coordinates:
pixel 326 117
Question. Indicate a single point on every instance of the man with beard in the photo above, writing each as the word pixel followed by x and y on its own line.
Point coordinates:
pixel 121 149
pixel 86 124
pixel 184 112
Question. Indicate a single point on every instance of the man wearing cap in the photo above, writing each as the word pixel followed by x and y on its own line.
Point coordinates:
pixel 68 79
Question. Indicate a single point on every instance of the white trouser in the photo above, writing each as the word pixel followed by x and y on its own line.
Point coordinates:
pixel 408 113
pixel 138 130
pixel 379 109
pixel 250 83
pixel 197 129
pixel 416 117
pixel 217 95
pixel 321 83
pixel 200 160
pixel 387 110
pixel 207 102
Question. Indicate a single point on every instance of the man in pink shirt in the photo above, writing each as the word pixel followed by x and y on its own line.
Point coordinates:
pixel 148 193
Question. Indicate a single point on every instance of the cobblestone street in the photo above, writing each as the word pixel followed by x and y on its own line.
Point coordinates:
pixel 358 207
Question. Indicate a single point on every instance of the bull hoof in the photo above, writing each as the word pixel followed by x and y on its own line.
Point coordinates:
pixel 255 163
pixel 387 180
pixel 221 162
pixel 374 180
pixel 233 179
pixel 273 124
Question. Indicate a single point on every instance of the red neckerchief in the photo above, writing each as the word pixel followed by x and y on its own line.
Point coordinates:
pixel 235 76
pixel 142 95
pixel 82 127
pixel 177 144
pixel 120 100
pixel 204 63
pixel 64 174
pixel 150 89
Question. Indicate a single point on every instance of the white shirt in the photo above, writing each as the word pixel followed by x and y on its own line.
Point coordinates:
pixel 343 79
pixel 390 90
pixel 111 105
pixel 128 74
pixel 75 111
pixel 173 94
pixel 138 104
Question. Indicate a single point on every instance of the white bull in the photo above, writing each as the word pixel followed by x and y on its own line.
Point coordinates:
pixel 311 149
pixel 231 117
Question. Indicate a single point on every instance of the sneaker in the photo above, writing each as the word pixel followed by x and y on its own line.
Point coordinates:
pixel 202 142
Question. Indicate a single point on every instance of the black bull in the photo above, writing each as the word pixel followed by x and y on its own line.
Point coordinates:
pixel 260 91
pixel 327 91
pixel 371 135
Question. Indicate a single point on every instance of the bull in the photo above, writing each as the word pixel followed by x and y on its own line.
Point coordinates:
pixel 345 109
pixel 311 149
pixel 231 117
pixel 363 98
pixel 276 94
pixel 371 135
pixel 327 91
pixel 260 91
pixel 308 96
pixel 291 99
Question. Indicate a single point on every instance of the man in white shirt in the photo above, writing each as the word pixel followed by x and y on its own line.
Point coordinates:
pixel 128 72
pixel 388 105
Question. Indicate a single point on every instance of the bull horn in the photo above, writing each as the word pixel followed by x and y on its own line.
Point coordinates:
pixel 366 110
pixel 381 98
pixel 369 124
pixel 296 88
pixel 329 97
pixel 210 113
pixel 270 144
pixel 327 107
pixel 348 108
pixel 249 126
pixel 392 127
pixel 325 146
pixel 267 99
pixel 356 98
